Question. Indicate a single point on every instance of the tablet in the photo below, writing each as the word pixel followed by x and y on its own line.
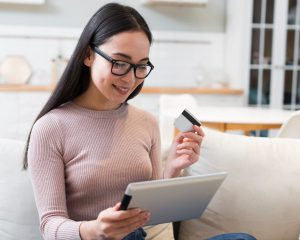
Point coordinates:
pixel 174 199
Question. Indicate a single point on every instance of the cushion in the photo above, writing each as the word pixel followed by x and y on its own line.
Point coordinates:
pixel 159 232
pixel 18 214
pixel 260 196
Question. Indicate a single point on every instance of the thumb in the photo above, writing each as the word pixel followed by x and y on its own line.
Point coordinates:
pixel 117 206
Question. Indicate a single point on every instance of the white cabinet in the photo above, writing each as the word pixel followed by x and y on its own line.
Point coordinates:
pixel 262 49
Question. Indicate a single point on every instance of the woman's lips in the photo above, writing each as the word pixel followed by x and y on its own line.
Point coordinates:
pixel 122 90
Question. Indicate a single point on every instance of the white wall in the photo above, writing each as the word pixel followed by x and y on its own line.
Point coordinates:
pixel 180 59
pixel 186 60
pixel 188 51
pixel 75 13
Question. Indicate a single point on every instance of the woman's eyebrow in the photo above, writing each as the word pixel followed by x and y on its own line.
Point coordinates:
pixel 128 57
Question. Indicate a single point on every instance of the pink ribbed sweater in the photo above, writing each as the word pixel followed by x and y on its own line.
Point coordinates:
pixel 81 160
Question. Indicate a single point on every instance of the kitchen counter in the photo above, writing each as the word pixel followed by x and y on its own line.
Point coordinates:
pixel 145 90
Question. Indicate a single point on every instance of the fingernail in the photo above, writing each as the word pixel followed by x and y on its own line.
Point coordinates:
pixel 137 210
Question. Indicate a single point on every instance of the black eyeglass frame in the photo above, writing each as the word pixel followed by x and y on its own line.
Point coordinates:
pixel 113 61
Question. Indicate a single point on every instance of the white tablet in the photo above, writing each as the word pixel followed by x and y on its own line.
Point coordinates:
pixel 175 199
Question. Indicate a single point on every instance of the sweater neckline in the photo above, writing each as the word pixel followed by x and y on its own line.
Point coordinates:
pixel 115 113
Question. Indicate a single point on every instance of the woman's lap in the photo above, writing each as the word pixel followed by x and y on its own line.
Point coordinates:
pixel 140 234
pixel 233 236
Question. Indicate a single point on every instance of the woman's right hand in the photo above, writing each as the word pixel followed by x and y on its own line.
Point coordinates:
pixel 113 224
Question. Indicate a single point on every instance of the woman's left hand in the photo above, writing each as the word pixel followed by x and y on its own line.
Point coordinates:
pixel 185 151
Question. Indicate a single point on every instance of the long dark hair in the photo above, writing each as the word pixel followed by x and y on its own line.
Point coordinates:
pixel 109 20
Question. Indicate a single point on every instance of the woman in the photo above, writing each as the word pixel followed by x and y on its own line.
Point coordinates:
pixel 87 143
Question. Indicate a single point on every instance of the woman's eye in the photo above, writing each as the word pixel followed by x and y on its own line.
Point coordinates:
pixel 142 68
pixel 120 65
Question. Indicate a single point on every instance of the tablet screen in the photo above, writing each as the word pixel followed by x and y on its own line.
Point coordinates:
pixel 175 199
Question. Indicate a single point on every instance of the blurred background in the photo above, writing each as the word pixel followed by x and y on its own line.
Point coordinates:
pixel 225 53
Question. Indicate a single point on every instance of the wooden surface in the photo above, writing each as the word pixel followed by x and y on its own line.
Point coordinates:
pixel 244 119
pixel 246 128
pixel 146 90
pixel 24 88
pixel 172 90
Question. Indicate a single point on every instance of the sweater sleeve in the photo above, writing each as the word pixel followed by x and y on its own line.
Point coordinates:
pixel 46 168
pixel 155 149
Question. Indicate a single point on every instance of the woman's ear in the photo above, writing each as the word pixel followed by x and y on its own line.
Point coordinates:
pixel 89 57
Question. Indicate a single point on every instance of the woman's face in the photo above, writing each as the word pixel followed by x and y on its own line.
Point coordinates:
pixel 106 88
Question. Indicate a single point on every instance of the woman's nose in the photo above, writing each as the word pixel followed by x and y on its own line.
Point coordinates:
pixel 130 76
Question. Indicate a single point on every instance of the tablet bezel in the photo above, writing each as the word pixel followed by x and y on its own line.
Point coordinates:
pixel 174 199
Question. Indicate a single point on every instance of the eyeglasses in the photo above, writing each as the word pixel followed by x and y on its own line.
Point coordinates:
pixel 121 68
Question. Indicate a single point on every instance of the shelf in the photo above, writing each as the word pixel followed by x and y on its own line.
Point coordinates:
pixel 38 2
pixel 180 3
pixel 173 90
pixel 24 88
pixel 145 90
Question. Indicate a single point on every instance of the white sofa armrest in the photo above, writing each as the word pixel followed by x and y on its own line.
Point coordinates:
pixel 261 194
pixel 18 214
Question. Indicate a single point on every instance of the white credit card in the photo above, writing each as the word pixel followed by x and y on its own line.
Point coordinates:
pixel 185 121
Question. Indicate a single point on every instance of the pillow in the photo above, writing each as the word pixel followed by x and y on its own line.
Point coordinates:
pixel 260 196
pixel 18 214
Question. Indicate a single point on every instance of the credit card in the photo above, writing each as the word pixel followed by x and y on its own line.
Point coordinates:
pixel 185 121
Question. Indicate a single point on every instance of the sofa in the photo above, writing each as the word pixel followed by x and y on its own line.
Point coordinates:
pixel 261 194
pixel 18 214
